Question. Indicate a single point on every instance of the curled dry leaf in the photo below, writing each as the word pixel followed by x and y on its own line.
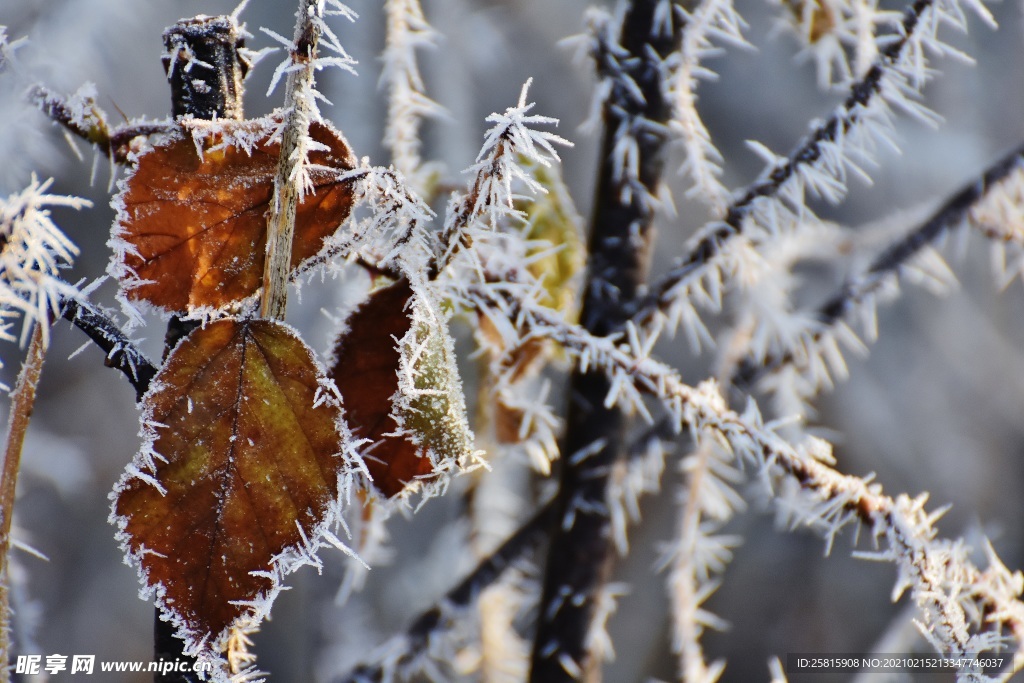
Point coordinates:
pixel 401 388
pixel 430 407
pixel 366 373
pixel 191 230
pixel 241 466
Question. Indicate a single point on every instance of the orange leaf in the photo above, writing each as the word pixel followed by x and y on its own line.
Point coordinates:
pixel 191 227
pixel 366 373
pixel 242 465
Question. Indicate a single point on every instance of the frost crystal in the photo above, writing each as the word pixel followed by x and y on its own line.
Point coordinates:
pixel 32 252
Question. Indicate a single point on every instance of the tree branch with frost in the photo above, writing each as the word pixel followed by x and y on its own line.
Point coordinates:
pixel 692 578
pixel 710 19
pixel 23 400
pixel 631 54
pixel 490 199
pixel 820 164
pixel 32 252
pixel 701 553
pixel 300 109
pixel 821 347
pixel 407 30
pixel 393 236
pixel 959 603
pixel 406 651
pixel 82 117
pixel 121 352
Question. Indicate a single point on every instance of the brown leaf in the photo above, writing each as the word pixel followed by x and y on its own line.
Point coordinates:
pixel 244 460
pixel 191 228
pixel 366 373
pixel 396 370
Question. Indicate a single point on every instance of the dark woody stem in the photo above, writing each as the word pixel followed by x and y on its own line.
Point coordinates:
pixel 581 553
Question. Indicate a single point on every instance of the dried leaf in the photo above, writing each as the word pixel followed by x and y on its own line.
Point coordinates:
pixel 191 229
pixel 366 373
pixel 553 221
pixel 815 18
pixel 241 466
pixel 401 389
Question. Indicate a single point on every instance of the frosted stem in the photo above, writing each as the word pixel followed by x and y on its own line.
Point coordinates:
pixel 629 58
pixel 684 586
pixel 406 30
pixel 288 184
pixel 888 264
pixel 809 153
pixel 23 399
pixel 416 639
pixel 90 123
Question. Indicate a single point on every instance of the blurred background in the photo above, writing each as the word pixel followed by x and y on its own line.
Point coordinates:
pixel 937 406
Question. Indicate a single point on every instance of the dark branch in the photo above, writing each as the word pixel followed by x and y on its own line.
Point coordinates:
pixel 891 261
pixel 808 153
pixel 122 353
pixel 581 554
pixel 417 637
pixel 89 122
pixel 205 68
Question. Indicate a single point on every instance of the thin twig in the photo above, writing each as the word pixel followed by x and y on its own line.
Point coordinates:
pixel 23 400
pixel 808 153
pixel 836 308
pixel 90 123
pixel 418 635
pixel 406 30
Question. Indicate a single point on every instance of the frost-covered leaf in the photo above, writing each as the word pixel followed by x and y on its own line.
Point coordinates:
pixel 554 223
pixel 239 468
pixel 366 373
pixel 397 375
pixel 191 228
pixel 430 406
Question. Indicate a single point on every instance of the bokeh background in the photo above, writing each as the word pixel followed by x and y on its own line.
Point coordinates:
pixel 937 405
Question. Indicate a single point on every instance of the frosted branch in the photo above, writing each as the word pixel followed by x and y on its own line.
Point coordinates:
pixel 293 178
pixel 632 53
pixel 407 30
pixel 23 400
pixel 81 116
pixel 981 202
pixel 489 200
pixel 121 352
pixel 407 650
pixel 710 19
pixel 820 164
pixel 965 609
